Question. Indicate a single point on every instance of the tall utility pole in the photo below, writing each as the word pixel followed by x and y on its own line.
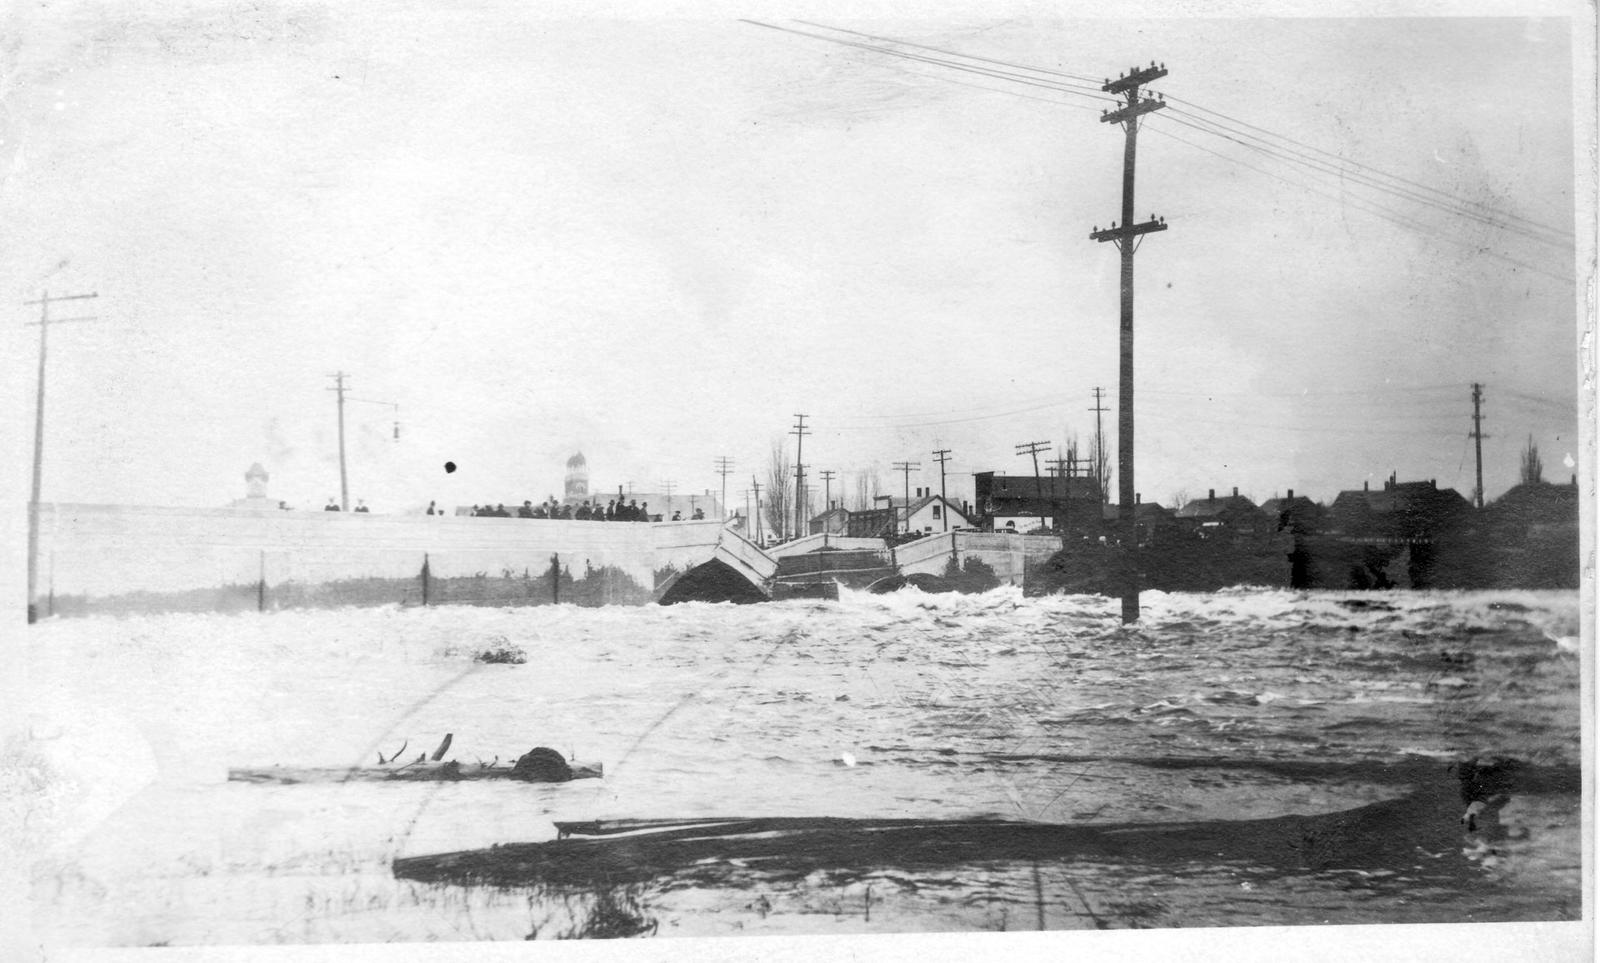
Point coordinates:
pixel 724 468
pixel 905 468
pixel 668 486
pixel 757 486
pixel 799 432
pixel 44 323
pixel 1099 443
pixel 1064 467
pixel 1033 448
pixel 1478 436
pixel 344 482
pixel 827 489
pixel 941 456
pixel 1126 238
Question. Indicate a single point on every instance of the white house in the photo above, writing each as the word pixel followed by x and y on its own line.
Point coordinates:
pixel 927 514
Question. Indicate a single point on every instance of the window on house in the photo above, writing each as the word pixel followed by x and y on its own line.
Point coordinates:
pixel 936 512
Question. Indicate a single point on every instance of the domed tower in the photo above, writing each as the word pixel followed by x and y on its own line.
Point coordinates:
pixel 577 489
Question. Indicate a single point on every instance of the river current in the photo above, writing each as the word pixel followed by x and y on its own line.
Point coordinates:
pixel 1239 706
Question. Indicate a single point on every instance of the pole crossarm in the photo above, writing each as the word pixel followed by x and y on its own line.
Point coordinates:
pixel 1134 78
pixel 1132 111
pixel 1120 234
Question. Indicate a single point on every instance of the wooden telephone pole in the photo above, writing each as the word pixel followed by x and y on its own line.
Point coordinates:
pixel 44 323
pixel 344 480
pixel 942 456
pixel 1126 239
pixel 799 432
pixel 724 468
pixel 1033 448
pixel 1478 436
pixel 905 468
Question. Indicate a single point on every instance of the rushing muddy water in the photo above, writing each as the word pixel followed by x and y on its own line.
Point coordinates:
pixel 1207 723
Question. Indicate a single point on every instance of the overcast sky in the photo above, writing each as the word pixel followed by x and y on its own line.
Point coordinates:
pixel 656 241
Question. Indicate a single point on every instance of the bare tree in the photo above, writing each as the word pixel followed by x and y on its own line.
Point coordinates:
pixel 868 487
pixel 779 502
pixel 1532 467
pixel 1100 466
pixel 1180 498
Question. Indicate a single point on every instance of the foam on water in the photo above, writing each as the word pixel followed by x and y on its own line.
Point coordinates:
pixel 905 705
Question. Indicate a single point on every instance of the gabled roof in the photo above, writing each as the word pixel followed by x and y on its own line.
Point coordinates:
pixel 1041 486
pixel 1145 510
pixel 1536 502
pixel 919 504
pixel 1277 506
pixel 1424 496
pixel 1217 507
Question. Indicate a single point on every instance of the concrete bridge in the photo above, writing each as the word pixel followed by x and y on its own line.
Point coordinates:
pixel 111 558
pixel 717 566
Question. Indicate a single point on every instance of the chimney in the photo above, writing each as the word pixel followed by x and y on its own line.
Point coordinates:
pixel 1136 498
pixel 1366 485
pixel 1236 491
pixel 1291 494
pixel 1211 494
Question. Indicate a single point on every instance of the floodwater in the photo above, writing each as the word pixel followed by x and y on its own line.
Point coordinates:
pixel 1238 707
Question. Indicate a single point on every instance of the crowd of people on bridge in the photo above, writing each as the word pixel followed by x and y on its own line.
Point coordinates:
pixel 614 510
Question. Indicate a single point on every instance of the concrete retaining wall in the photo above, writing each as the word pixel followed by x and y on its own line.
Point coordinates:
pixel 101 550
pixel 1007 554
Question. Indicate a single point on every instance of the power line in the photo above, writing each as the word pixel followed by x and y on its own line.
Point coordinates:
pixel 935 61
pixel 1372 207
pixel 1455 206
pixel 957 53
pixel 1355 163
pixel 1440 199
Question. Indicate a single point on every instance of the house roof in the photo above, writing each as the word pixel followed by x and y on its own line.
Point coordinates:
pixel 1277 506
pixel 1146 510
pixel 1536 502
pixel 918 504
pixel 1217 507
pixel 1040 486
pixel 1401 497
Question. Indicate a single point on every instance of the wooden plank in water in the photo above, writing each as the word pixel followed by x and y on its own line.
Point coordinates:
pixel 451 771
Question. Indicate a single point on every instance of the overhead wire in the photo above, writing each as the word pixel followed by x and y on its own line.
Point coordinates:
pixel 1376 209
pixel 1303 160
pixel 1456 206
pixel 918 58
pixel 956 53
pixel 1342 159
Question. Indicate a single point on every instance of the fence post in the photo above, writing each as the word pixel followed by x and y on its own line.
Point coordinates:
pixel 261 583
pixel 425 578
pixel 555 579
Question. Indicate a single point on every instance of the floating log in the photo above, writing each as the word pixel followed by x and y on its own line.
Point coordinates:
pixel 541 764
pixel 451 771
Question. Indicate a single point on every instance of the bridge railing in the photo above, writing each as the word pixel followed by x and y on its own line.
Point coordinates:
pixel 811 543
pixel 745 555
